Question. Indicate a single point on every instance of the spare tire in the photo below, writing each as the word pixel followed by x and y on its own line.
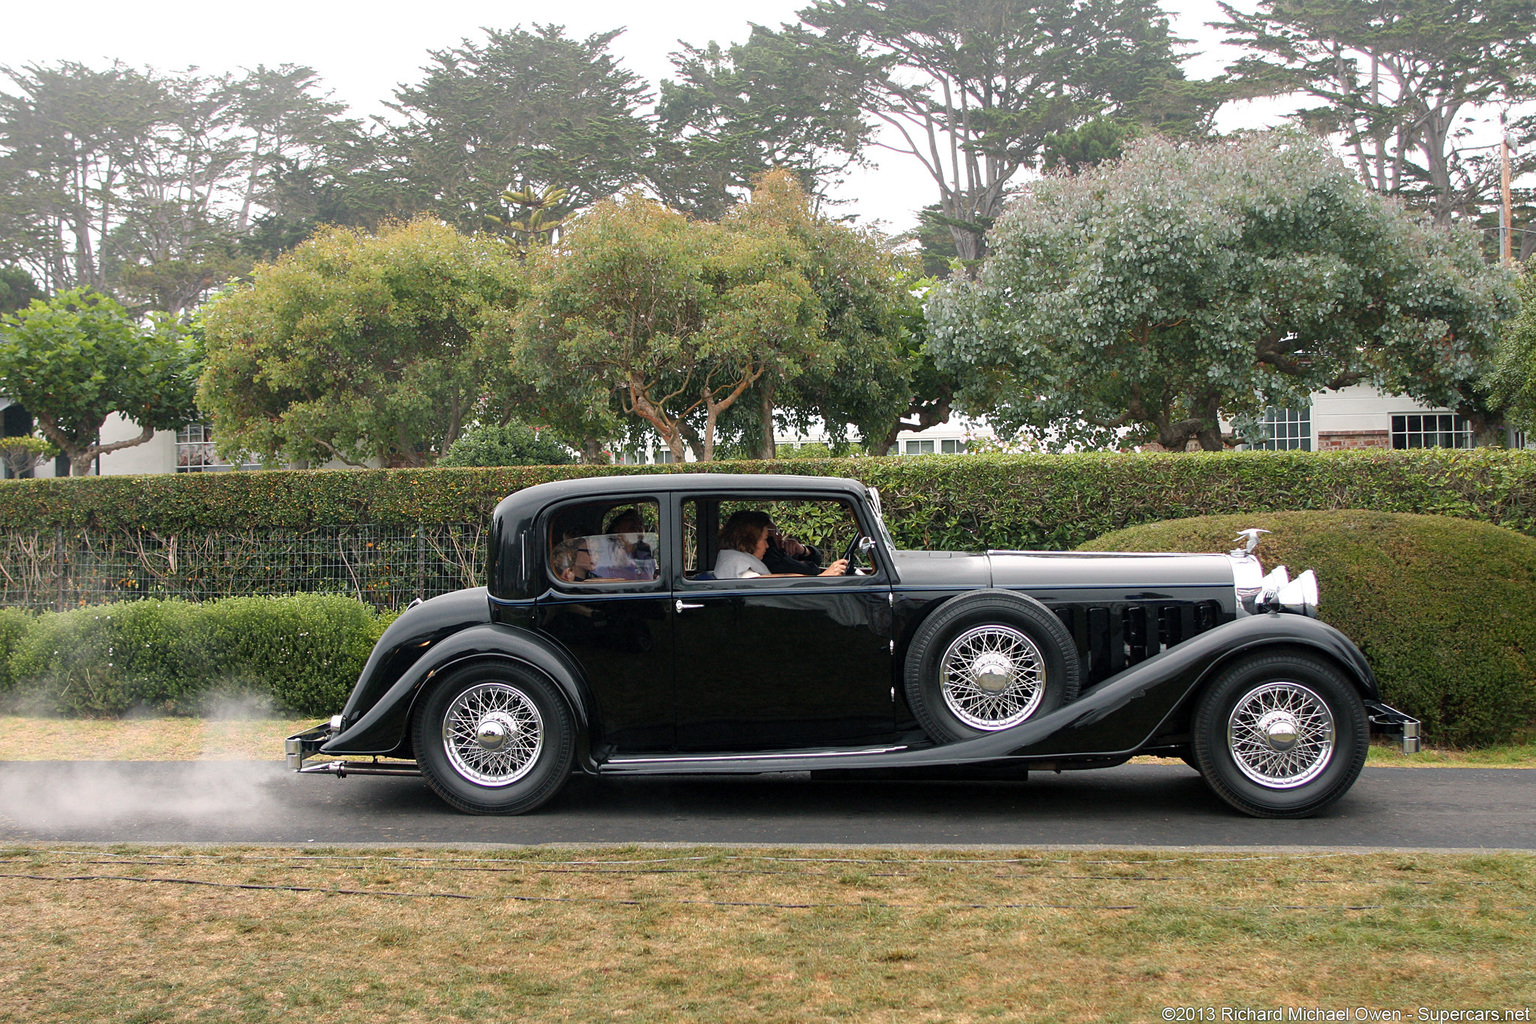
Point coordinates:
pixel 989 661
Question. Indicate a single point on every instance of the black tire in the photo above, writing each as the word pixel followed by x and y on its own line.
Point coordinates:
pixel 1280 735
pixel 525 766
pixel 1018 661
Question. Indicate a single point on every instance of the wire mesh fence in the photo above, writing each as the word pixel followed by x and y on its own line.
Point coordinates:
pixel 385 566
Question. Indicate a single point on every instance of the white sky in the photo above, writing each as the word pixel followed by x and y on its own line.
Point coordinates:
pixel 362 51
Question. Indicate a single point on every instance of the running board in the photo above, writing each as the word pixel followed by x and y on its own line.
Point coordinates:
pixel 746 764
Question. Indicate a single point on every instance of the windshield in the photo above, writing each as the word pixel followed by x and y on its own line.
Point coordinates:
pixel 885 533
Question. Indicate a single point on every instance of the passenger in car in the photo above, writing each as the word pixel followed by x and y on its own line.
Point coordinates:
pixel 624 552
pixel 572 560
pixel 744 542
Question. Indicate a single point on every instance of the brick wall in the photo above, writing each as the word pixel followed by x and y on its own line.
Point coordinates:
pixel 1337 440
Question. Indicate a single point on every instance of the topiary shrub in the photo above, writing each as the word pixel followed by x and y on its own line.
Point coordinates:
pixel 174 657
pixel 514 444
pixel 304 651
pixel 1440 606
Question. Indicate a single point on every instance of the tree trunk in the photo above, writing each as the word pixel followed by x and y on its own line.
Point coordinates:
pixel 766 449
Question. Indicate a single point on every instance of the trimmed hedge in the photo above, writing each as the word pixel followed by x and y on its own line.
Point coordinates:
pixel 1441 607
pixel 174 657
pixel 932 501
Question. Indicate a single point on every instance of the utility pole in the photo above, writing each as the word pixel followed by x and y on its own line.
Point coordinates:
pixel 1506 221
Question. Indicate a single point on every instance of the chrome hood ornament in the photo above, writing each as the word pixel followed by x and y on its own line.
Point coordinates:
pixel 1252 537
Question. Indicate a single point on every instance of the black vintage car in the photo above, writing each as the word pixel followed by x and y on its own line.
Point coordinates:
pixel 629 627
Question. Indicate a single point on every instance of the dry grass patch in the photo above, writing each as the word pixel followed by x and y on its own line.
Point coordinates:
pixel 708 935
pixel 145 739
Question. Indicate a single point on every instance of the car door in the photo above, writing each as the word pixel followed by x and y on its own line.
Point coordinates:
pixel 777 663
pixel 616 622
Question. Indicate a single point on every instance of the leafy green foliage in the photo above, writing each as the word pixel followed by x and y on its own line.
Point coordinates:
pixel 1438 605
pixel 974 87
pixel 512 444
pixel 143 183
pixel 17 289
pixel 358 346
pixel 1147 298
pixel 80 357
pixel 522 111
pixel 667 318
pixel 955 502
pixel 783 99
pixel 303 653
pixel 21 455
pixel 861 372
pixel 14 624
pixel 1514 378
pixel 1405 81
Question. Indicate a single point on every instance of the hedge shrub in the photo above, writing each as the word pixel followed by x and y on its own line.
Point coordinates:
pixel 1441 607
pixel 175 657
pixel 934 501
pixel 13 623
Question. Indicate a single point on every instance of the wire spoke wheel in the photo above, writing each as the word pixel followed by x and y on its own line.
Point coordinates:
pixel 492 734
pixel 992 677
pixel 1281 735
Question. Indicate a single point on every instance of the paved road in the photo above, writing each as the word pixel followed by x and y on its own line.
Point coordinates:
pixel 1133 805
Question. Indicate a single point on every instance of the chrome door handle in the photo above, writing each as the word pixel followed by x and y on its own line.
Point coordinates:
pixel 683 606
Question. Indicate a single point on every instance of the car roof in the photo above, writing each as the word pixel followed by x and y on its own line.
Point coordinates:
pixel 530 500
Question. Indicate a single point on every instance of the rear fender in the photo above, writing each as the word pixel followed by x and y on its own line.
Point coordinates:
pixel 383 728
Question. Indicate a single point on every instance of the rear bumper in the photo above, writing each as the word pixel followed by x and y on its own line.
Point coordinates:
pixel 299 747
pixel 1392 722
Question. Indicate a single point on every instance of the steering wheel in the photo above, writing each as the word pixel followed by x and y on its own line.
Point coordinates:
pixel 850 554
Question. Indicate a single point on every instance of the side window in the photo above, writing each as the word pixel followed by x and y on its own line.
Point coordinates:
pixel 729 538
pixel 605 542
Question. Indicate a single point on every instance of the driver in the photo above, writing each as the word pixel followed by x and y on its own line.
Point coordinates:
pixel 744 540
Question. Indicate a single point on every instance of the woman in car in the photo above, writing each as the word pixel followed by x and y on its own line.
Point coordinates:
pixel 744 542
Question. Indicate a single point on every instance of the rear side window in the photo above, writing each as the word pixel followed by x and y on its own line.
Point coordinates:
pixel 605 542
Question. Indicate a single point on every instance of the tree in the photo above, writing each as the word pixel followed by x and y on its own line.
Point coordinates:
pixel 1514 378
pixel 665 319
pixel 144 184
pixel 783 99
pixel 861 288
pixel 521 111
pixel 75 360
pixel 1149 298
pixel 364 347
pixel 973 88
pixel 17 289
pixel 1403 81
pixel 511 444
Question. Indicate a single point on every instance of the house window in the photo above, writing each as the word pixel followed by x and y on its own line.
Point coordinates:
pixel 195 454
pixel 919 447
pixel 663 456
pixel 1431 430
pixel 1288 429
pixel 952 447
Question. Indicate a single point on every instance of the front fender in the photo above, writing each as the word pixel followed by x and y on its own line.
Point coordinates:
pixel 382 728
pixel 1121 714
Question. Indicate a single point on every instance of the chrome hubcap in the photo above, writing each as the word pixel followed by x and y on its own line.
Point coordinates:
pixel 1281 735
pixel 492 734
pixel 992 677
